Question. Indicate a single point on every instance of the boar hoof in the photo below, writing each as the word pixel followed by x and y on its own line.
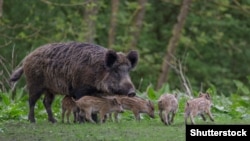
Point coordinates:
pixel 52 120
pixel 32 120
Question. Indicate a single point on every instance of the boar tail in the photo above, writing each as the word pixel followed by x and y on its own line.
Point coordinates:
pixel 16 75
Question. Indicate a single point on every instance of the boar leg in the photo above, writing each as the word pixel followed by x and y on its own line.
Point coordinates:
pixel 94 117
pixel 192 119
pixel 210 115
pixel 63 113
pixel 168 119
pixel 186 117
pixel 76 115
pixel 81 116
pixel 47 101
pixel 89 117
pixel 68 115
pixel 111 116
pixel 165 117
pixel 137 115
pixel 172 118
pixel 161 116
pixel 106 116
pixel 34 94
pixel 80 92
pixel 203 117
pixel 102 117
pixel 116 114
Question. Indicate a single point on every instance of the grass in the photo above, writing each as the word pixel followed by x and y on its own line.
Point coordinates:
pixel 109 131
pixel 125 130
pixel 15 127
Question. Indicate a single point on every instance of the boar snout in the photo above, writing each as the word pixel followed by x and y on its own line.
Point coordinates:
pixel 120 110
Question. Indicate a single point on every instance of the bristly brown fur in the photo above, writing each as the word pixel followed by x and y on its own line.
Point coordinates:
pixel 91 104
pixel 135 104
pixel 75 69
pixel 68 107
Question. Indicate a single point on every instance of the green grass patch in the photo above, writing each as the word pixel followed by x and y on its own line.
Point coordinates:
pixel 125 130
pixel 14 126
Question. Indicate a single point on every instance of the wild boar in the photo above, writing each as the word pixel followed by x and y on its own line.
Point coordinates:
pixel 135 104
pixel 199 106
pixel 168 106
pixel 69 107
pixel 75 69
pixel 92 104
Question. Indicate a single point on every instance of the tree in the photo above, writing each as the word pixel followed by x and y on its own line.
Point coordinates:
pixel 113 22
pixel 214 40
pixel 171 47
pixel 1 8
pixel 137 23
pixel 90 18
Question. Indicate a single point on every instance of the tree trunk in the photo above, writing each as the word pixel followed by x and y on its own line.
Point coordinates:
pixel 137 23
pixel 90 16
pixel 1 8
pixel 173 42
pixel 113 23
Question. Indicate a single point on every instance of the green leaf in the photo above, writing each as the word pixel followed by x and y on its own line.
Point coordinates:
pixel 151 92
pixel 238 84
pixel 5 98
pixel 241 87
pixel 245 90
pixel 165 88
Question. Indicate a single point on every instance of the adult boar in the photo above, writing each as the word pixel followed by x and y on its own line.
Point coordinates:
pixel 74 69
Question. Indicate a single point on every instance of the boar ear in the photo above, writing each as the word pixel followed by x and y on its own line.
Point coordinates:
pixel 208 96
pixel 110 58
pixel 133 57
pixel 199 94
pixel 150 103
pixel 175 95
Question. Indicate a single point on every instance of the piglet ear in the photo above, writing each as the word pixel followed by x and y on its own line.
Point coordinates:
pixel 200 94
pixel 133 57
pixel 110 58
pixel 175 95
pixel 208 96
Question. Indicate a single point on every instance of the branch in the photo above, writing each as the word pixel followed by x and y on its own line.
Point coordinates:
pixel 184 80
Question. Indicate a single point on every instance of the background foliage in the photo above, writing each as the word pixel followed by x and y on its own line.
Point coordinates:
pixel 213 47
